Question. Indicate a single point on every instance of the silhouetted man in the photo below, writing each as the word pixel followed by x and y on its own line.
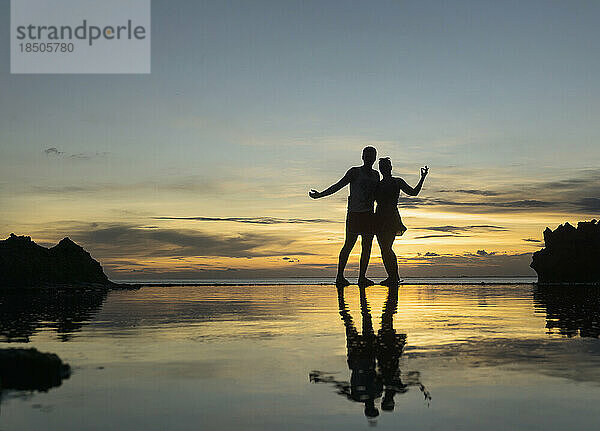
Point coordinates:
pixel 365 386
pixel 363 181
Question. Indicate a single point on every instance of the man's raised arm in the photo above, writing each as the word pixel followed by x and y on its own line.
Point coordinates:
pixel 334 188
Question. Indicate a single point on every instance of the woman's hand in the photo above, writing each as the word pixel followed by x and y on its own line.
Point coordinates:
pixel 424 171
pixel 314 194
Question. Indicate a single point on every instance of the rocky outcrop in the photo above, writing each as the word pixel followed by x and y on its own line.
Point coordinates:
pixel 31 370
pixel 570 255
pixel 23 263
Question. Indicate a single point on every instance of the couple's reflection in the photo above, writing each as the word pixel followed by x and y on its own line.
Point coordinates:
pixel 373 359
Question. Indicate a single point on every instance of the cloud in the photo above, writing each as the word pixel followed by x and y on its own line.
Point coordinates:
pixel 457 229
pixel 117 240
pixel 251 220
pixel 588 177
pixel 197 185
pixel 290 259
pixel 85 156
pixel 134 261
pixel 537 241
pixel 478 263
pixel 438 236
pixel 589 205
pixel 523 204
pixel 472 192
pixel 53 151
pixel 569 195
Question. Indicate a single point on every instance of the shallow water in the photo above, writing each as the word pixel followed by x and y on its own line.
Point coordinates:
pixel 466 357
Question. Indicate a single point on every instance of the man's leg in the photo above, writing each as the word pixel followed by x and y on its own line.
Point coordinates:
pixel 343 260
pixel 366 241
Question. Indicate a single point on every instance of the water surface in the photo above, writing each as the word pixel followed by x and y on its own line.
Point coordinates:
pixel 293 357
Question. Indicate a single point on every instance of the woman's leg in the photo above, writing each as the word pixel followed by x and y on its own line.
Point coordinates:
pixel 386 241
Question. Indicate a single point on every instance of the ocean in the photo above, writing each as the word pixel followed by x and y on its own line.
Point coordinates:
pixel 492 354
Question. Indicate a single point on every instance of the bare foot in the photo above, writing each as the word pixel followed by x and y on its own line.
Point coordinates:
pixel 341 282
pixel 391 282
pixel 364 282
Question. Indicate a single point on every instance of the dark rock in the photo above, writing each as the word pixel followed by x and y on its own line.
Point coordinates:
pixel 30 369
pixel 24 263
pixel 570 255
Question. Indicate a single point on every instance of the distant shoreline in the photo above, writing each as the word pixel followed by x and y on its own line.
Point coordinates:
pixel 135 284
pixel 498 283
pixel 330 282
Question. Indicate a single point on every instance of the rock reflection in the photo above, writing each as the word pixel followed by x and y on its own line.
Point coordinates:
pixel 373 360
pixel 571 311
pixel 25 371
pixel 24 313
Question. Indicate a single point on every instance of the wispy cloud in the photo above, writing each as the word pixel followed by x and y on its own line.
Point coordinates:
pixel 291 259
pixel 123 240
pixel 589 205
pixel 53 151
pixel 450 231
pixel 569 195
pixel 197 185
pixel 472 192
pixel 436 236
pixel 251 220
pixel 458 229
pixel 479 262
pixel 523 204
pixel 536 241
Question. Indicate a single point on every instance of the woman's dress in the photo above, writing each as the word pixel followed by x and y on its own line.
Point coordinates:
pixel 387 217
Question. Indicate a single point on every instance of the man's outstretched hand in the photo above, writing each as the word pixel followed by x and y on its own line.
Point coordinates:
pixel 424 171
pixel 314 194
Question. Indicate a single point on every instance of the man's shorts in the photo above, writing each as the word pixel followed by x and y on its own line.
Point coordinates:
pixel 360 223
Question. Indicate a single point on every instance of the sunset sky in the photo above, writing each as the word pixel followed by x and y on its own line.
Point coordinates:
pixel 201 169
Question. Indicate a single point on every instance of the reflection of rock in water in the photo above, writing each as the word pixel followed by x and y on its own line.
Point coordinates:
pixel 65 311
pixel 30 370
pixel 572 311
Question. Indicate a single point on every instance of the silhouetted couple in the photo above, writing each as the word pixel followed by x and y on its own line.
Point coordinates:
pixel 385 221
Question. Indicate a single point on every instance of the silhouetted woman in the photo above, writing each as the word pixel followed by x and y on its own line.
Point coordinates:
pixel 387 218
pixel 389 350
